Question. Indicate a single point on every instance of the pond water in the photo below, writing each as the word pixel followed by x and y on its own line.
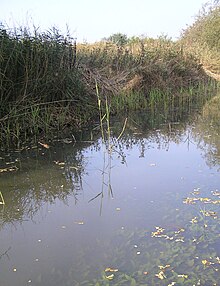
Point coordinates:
pixel 145 212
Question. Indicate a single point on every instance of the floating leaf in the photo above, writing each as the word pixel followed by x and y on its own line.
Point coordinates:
pixel 216 193
pixel 161 267
pixel 44 145
pixel 110 277
pixel 59 163
pixel 161 275
pixel 206 262
pixel 109 269
pixel 79 222
pixel 182 276
pixel 190 201
pixel 158 232
pixel 209 213
pixel 194 220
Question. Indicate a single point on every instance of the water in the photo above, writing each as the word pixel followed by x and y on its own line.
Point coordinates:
pixel 76 214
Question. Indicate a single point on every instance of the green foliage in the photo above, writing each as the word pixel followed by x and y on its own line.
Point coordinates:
pixel 118 39
pixel 206 28
pixel 203 35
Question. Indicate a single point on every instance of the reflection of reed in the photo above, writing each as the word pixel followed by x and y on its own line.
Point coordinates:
pixel 207 131
pixel 39 181
pixel 28 189
pixel 108 145
pixel 106 172
pixel 5 253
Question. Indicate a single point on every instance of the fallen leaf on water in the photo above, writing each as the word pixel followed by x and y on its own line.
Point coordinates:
pixel 181 239
pixel 216 193
pixel 59 163
pixel 109 269
pixel 209 213
pixel 194 220
pixel 10 169
pixel 44 145
pixel 110 277
pixel 206 262
pixel 161 267
pixel 196 191
pixel 190 201
pixel 204 199
pixel 79 222
pixel 182 276
pixel 179 230
pixel 161 275
pixel 158 233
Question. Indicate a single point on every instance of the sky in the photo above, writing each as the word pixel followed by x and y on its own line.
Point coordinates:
pixel 92 20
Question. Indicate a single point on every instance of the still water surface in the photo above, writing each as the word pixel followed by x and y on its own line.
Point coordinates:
pixel 146 213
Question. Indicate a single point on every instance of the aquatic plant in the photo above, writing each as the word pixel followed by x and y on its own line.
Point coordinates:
pixel 181 256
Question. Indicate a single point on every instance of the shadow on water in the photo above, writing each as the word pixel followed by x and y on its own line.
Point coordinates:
pixel 156 189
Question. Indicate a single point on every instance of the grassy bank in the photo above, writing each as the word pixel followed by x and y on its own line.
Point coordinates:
pixel 48 82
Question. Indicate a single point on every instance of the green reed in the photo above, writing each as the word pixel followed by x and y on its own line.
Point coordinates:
pixel 38 70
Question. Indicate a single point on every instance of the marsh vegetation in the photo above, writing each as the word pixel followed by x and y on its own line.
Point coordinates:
pixel 47 81
pixel 109 158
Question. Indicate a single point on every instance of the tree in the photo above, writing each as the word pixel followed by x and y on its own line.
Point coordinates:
pixel 118 39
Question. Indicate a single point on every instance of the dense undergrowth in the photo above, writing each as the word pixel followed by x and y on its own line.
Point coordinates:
pixel 48 82
pixel 202 38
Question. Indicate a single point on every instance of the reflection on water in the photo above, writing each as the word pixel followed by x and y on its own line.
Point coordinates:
pixel 147 213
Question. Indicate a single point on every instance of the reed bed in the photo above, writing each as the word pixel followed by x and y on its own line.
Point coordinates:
pixel 48 81
pixel 41 90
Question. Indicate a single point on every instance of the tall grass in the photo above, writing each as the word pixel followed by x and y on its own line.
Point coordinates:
pixel 40 87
